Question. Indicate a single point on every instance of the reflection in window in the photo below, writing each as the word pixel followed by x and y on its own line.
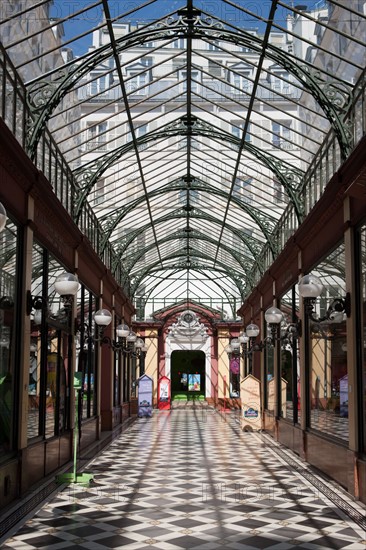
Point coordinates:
pixel 34 384
pixel 8 272
pixel 235 376
pixel 329 379
pixel 49 353
pixel 328 354
pixel 85 348
pixel 363 317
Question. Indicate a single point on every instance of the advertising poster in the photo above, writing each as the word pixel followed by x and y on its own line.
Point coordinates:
pixel 145 396
pixel 194 382
pixel 343 396
pixel 251 404
pixel 164 393
pixel 235 365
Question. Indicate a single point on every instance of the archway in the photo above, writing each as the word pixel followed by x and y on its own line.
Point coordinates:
pixel 188 375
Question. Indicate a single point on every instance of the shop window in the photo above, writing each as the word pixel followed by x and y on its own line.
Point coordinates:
pixel 8 335
pixel 235 376
pixel 362 340
pixel 86 352
pixel 289 361
pixel 328 391
pixel 50 352
pixel 269 379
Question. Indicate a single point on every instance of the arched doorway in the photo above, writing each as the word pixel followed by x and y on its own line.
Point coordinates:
pixel 188 375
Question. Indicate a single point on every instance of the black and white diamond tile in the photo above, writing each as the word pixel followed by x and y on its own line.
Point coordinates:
pixel 191 479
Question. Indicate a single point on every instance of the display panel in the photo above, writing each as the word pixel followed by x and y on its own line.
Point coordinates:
pixel 194 382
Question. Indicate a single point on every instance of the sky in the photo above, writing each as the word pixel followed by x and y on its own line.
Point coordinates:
pixel 87 20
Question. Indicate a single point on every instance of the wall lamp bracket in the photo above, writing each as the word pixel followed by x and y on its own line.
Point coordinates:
pixel 310 288
pixel 6 302
pixel 35 302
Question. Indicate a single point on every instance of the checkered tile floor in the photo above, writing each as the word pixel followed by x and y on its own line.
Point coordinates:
pixel 191 479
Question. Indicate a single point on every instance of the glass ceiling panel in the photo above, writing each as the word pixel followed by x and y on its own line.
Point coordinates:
pixel 189 129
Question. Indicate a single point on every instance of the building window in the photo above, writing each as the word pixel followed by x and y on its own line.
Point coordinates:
pixel 241 82
pixel 179 43
pixel 140 131
pixel 278 195
pixel 97 136
pixel 136 83
pixel 214 68
pixel 280 83
pixel 214 46
pixel 237 129
pixel 191 195
pixel 99 191
pixel 99 85
pixel 242 189
pixel 194 81
pixel 281 134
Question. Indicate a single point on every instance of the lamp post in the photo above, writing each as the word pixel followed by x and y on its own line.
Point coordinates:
pixel 243 340
pixel 67 285
pixel 310 288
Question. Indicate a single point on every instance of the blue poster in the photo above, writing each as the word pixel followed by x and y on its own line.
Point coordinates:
pixel 343 396
pixel 145 406
pixel 194 382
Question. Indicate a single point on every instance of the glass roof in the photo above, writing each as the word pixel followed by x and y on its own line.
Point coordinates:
pixel 190 128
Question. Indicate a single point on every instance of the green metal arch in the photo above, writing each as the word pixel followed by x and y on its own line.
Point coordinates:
pixel 228 296
pixel 195 235
pixel 232 274
pixel 288 175
pixel 198 214
pixel 264 222
pixel 334 97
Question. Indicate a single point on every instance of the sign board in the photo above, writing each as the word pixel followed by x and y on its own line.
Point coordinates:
pixel 145 393
pixel 164 393
pixel 343 396
pixel 194 382
pixel 78 380
pixel 250 391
